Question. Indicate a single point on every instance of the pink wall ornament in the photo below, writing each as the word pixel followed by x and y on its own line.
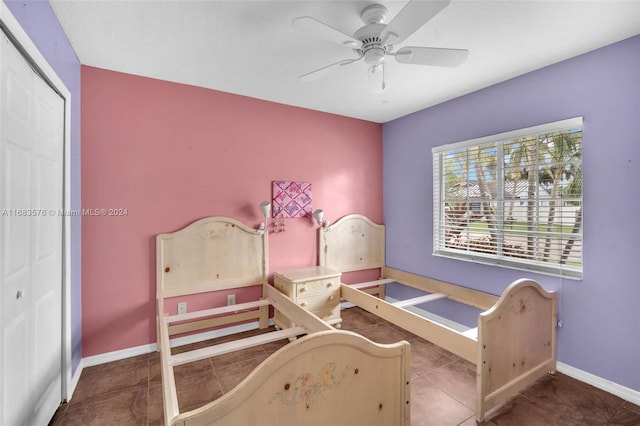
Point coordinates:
pixel 291 199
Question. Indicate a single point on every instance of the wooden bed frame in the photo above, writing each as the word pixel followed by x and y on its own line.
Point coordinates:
pixel 514 343
pixel 326 377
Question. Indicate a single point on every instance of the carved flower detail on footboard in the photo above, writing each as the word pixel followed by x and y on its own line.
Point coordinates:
pixel 309 388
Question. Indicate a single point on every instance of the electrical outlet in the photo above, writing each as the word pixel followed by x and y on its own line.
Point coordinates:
pixel 182 308
pixel 231 299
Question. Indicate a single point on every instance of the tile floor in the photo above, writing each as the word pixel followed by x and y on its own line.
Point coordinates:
pixel 128 392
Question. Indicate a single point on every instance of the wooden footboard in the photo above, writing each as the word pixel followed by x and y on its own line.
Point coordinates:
pixel 326 378
pixel 517 343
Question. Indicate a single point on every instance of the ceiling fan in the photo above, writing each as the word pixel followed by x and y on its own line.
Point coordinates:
pixel 376 40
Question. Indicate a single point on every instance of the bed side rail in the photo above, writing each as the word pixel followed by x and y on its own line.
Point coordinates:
pixel 169 394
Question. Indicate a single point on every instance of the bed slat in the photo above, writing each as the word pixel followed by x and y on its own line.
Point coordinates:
pixel 236 345
pixel 220 321
pixel 371 283
pixel 419 300
pixel 216 311
pixel 472 332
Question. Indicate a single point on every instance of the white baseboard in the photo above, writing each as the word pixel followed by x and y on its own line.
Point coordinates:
pixel 179 341
pixel 93 360
pixel 75 378
pixel 623 392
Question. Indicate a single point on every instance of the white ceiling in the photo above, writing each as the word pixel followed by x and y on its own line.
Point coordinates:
pixel 250 48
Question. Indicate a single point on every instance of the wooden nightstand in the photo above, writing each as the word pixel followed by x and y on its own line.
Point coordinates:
pixel 315 288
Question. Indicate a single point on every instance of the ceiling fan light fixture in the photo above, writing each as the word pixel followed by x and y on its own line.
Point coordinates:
pixel 374 56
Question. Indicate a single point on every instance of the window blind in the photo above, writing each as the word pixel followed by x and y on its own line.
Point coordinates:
pixel 513 199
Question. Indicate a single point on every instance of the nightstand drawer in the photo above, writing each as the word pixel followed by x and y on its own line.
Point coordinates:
pixel 319 286
pixel 312 303
pixel 284 287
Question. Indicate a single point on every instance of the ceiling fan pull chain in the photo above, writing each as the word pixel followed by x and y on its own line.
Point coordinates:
pixel 384 85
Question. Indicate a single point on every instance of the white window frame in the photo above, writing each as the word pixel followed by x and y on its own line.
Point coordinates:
pixel 440 247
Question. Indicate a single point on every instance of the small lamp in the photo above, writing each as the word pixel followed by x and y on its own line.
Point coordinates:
pixel 265 208
pixel 318 214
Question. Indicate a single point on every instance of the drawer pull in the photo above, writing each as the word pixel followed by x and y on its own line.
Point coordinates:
pixel 331 297
pixel 303 304
pixel 302 289
pixel 329 285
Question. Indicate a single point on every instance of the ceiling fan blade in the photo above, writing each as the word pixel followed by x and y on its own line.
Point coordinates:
pixel 431 56
pixel 327 32
pixel 414 15
pixel 321 72
pixel 377 82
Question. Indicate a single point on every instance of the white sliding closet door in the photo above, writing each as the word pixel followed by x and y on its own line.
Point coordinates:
pixel 31 198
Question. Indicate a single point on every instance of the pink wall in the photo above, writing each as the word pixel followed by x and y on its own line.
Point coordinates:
pixel 171 154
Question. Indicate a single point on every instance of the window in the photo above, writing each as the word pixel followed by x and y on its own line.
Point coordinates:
pixel 513 199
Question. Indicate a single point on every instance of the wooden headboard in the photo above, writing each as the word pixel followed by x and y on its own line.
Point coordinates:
pixel 214 253
pixel 353 243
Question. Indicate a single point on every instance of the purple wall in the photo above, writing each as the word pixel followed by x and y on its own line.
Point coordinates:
pixel 41 24
pixel 601 313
